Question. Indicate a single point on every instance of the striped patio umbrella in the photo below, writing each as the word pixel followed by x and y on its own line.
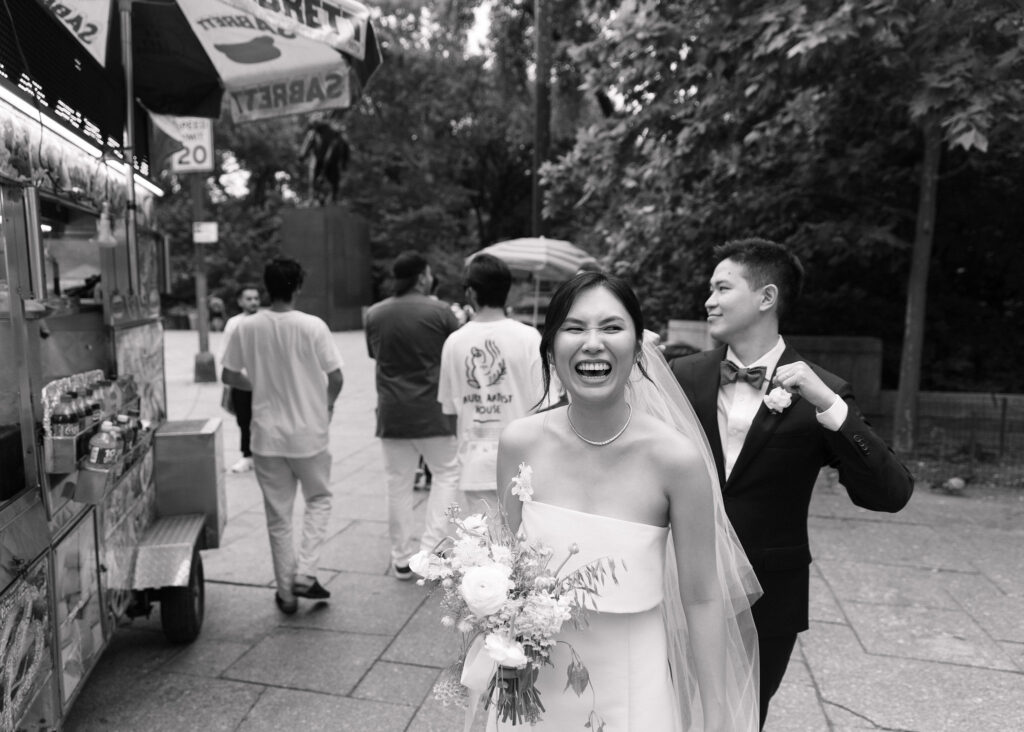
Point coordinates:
pixel 546 259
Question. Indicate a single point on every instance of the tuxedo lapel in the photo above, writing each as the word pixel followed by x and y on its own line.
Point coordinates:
pixel 763 427
pixel 705 403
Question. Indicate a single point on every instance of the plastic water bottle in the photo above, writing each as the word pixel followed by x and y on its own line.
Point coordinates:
pixel 104 447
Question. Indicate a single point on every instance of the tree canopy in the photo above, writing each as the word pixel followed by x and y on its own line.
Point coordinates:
pixel 676 126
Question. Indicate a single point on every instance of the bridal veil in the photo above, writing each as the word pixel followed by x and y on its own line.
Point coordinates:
pixel 736 681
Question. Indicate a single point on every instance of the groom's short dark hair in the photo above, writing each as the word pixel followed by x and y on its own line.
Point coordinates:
pixel 767 263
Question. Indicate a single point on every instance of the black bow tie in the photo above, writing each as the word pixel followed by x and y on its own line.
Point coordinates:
pixel 754 376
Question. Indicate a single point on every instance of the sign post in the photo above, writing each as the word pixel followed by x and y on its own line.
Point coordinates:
pixel 203 233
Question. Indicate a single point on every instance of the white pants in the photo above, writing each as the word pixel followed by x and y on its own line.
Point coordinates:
pixel 401 458
pixel 278 477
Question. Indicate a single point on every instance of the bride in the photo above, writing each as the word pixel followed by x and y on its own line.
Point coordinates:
pixel 624 472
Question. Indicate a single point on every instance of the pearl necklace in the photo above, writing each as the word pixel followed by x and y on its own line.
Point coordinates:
pixel 600 443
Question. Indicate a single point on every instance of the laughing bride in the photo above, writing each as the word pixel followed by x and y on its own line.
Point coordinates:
pixel 624 472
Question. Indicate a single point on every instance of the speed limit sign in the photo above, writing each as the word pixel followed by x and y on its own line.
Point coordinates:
pixel 196 134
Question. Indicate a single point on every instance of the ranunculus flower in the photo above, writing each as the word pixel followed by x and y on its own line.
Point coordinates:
pixel 485 588
pixel 505 651
pixel 778 399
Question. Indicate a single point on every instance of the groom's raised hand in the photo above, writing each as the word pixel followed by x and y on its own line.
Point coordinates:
pixel 799 378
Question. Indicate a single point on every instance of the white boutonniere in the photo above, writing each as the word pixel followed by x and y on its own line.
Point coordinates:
pixel 778 399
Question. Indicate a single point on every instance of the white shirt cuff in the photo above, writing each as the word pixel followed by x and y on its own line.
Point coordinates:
pixel 833 417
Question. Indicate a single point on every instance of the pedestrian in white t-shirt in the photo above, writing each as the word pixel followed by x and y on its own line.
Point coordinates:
pixel 289 361
pixel 490 376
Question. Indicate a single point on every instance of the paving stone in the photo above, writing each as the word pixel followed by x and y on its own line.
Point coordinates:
pixel 890 585
pixel 322 661
pixel 928 634
pixel 797 672
pixel 823 606
pixel 363 603
pixel 889 544
pixel 902 694
pixel 141 646
pixel 435 717
pixel 998 555
pixel 424 640
pixel 1000 615
pixel 1016 652
pixel 237 613
pixel 209 658
pixel 795 708
pixel 398 683
pixel 164 702
pixel 242 524
pixel 249 561
pixel 362 546
pixel 288 709
pixel 357 506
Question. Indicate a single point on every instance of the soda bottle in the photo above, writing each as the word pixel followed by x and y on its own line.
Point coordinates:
pixel 63 420
pixel 78 402
pixel 127 431
pixel 104 449
pixel 94 406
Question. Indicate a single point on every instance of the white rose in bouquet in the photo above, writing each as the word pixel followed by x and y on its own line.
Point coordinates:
pixel 428 565
pixel 475 524
pixel 485 589
pixel 505 651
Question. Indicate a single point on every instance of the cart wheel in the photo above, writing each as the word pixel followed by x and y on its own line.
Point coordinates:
pixel 181 608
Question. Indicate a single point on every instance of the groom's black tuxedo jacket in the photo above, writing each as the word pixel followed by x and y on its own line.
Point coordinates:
pixel 768 491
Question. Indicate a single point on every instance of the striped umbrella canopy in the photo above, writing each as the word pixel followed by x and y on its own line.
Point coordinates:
pixel 545 259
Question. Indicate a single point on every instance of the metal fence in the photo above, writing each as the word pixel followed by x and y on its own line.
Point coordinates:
pixel 978 436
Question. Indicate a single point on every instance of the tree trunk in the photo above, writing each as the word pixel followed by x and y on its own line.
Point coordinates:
pixel 905 413
pixel 542 108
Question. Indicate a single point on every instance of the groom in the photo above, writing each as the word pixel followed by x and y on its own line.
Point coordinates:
pixel 768 459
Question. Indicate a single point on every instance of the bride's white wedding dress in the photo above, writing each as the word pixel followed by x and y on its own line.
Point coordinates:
pixel 624 646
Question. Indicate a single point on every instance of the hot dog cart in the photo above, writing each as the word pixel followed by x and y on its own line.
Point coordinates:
pixel 89 536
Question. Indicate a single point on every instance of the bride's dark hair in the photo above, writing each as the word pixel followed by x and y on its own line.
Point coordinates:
pixel 562 301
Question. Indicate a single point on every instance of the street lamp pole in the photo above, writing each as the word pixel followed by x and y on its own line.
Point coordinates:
pixel 542 107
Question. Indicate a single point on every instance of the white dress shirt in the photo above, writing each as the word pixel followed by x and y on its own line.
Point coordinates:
pixel 738 403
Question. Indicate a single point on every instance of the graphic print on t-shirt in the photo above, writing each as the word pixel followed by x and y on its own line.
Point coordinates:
pixel 485 366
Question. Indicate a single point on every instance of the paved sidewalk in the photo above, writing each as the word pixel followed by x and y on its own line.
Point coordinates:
pixel 916 618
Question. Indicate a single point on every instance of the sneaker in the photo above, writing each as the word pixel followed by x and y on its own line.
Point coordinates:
pixel 242 466
pixel 313 591
pixel 402 572
pixel 288 608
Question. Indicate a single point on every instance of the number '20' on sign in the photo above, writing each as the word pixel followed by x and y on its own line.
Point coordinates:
pixel 196 155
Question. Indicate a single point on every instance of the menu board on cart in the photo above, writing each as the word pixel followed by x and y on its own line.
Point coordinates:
pixel 140 353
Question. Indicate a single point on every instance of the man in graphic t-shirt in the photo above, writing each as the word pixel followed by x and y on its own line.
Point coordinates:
pixel 490 375
pixel 288 360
